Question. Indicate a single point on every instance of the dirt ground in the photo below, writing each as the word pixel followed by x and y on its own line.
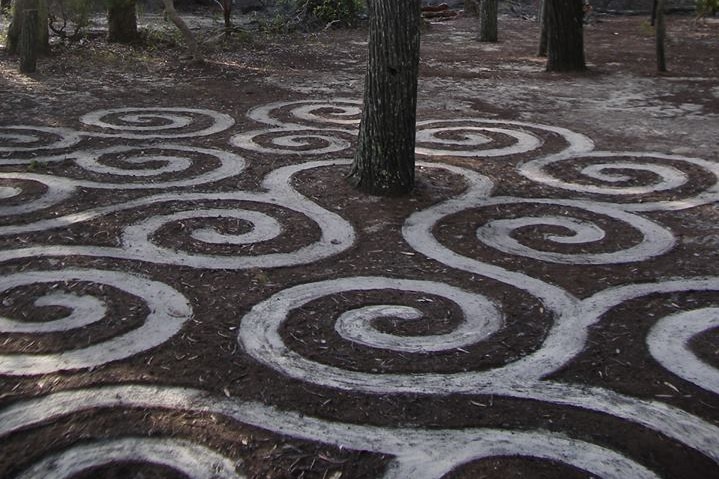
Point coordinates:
pixel 188 288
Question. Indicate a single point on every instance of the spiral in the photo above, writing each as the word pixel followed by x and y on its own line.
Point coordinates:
pixel 619 172
pixel 498 234
pixel 168 312
pixel 185 457
pixel 138 123
pixel 486 138
pixel 35 138
pixel 157 165
pixel 301 141
pixel 309 113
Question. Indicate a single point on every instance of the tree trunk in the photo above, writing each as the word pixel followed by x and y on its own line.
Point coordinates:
pixel 660 36
pixel 121 21
pixel 192 45
pixel 227 14
pixel 542 17
pixel 384 161
pixel 28 41
pixel 15 27
pixel 471 8
pixel 488 21
pixel 565 35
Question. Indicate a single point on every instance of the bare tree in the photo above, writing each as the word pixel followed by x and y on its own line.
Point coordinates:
pixel 542 17
pixel 192 45
pixel 384 161
pixel 660 36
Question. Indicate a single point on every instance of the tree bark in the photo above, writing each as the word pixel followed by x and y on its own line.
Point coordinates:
pixel 542 17
pixel 28 41
pixel 187 34
pixel 660 37
pixel 15 27
pixel 384 161
pixel 121 21
pixel 488 21
pixel 565 36
pixel 471 8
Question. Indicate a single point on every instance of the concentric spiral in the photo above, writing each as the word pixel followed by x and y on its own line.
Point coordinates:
pixel 630 177
pixel 168 312
pixel 500 234
pixel 35 138
pixel 157 166
pixel 157 122
pixel 485 138
pixel 302 141
pixel 334 112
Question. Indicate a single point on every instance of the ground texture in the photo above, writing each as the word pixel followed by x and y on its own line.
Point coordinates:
pixel 188 288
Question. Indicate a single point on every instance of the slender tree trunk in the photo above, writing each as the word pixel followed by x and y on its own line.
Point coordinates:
pixel 121 21
pixel 28 41
pixel 488 21
pixel 565 35
pixel 227 13
pixel 187 34
pixel 660 37
pixel 15 27
pixel 384 161
pixel 542 17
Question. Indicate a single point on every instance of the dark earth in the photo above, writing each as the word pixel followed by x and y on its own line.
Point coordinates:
pixel 621 103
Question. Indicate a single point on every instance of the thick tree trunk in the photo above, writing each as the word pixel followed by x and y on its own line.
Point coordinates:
pixel 542 17
pixel 190 39
pixel 121 21
pixel 15 27
pixel 565 35
pixel 488 21
pixel 28 41
pixel 384 161
pixel 660 37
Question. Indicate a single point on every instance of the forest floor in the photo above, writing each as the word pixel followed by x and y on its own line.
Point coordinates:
pixel 189 288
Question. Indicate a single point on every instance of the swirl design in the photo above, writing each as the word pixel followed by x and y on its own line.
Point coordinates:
pixel 168 311
pixel 563 206
pixel 618 172
pixel 156 122
pixel 35 138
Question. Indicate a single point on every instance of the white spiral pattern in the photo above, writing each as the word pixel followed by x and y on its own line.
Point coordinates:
pixel 601 196
pixel 33 138
pixel 168 312
pixel 156 122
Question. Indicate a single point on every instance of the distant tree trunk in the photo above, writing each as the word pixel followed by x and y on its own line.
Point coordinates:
pixel 542 17
pixel 226 6
pixel 28 41
pixel 565 35
pixel 384 161
pixel 15 27
pixel 488 21
pixel 471 8
pixel 660 37
pixel 121 21
pixel 192 44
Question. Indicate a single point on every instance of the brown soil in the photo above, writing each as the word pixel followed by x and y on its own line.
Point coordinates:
pixel 620 103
